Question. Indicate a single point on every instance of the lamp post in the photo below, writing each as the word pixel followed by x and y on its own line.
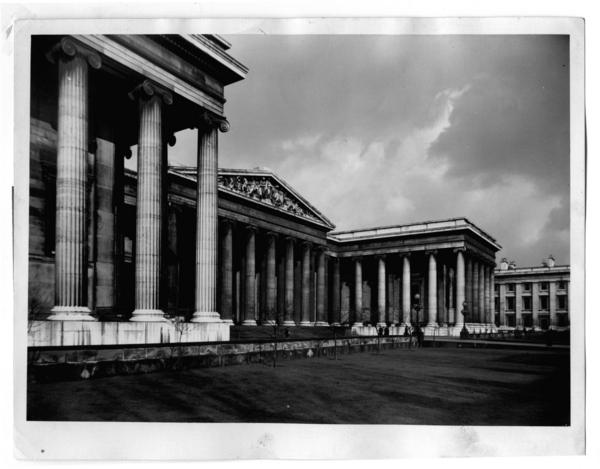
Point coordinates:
pixel 417 306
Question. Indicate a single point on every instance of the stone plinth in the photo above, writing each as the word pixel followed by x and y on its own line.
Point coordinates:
pixel 77 333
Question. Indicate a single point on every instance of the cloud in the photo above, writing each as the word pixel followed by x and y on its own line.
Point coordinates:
pixel 379 130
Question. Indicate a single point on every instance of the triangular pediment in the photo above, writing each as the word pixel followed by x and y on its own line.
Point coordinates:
pixel 263 187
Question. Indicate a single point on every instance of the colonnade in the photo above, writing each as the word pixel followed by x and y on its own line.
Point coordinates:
pixel 73 61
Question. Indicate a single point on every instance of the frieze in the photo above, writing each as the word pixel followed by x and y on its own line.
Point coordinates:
pixel 264 190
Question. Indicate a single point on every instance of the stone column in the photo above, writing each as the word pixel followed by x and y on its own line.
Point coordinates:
pixel 321 282
pixel 481 293
pixel 405 290
pixel 492 319
pixel 271 281
pixel 357 292
pixel 250 290
pixel 469 289
pixel 381 300
pixel 336 292
pixel 227 272
pixel 289 282
pixel 149 226
pixel 432 291
pixel 475 292
pixel 486 294
pixel 451 308
pixel 306 281
pixel 442 316
pixel 206 219
pixel 502 304
pixel 460 287
pixel 71 180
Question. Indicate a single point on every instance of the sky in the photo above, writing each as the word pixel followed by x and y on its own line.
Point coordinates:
pixel 385 130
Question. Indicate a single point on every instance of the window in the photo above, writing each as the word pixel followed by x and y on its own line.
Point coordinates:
pixel 510 287
pixel 510 320
pixel 496 289
pixel 562 301
pixel 544 286
pixel 527 287
pixel 563 320
pixel 496 304
pixel 544 303
pixel 527 303
pixel 562 285
pixel 510 304
pixel 527 320
pixel 544 321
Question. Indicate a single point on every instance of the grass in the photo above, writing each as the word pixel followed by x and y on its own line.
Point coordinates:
pixel 431 386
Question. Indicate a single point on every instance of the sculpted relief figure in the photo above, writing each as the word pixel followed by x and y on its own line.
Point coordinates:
pixel 264 191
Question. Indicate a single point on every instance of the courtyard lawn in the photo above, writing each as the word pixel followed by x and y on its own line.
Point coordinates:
pixel 430 386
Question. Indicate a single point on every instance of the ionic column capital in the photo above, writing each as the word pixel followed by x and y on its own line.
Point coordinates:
pixel 460 249
pixel 208 120
pixel 67 48
pixel 148 90
pixel 251 229
pixel 431 252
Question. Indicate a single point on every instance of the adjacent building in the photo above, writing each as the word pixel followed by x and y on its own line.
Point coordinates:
pixel 532 297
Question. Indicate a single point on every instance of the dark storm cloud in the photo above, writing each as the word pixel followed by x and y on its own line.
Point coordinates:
pixel 377 130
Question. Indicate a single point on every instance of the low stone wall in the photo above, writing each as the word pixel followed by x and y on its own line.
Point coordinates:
pixel 94 333
pixel 72 363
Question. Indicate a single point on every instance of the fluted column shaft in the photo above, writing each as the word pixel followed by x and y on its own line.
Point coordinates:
pixel 336 292
pixel 206 226
pixel 289 282
pixel 227 273
pixel 306 281
pixel 357 292
pixel 321 282
pixel 432 291
pixel 271 315
pixel 406 291
pixel 460 288
pixel 469 289
pixel 451 308
pixel 492 319
pixel 250 306
pixel 149 203
pixel 381 300
pixel 482 303
pixel 476 299
pixel 71 193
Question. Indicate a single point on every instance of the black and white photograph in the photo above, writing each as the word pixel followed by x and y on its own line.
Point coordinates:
pixel 332 223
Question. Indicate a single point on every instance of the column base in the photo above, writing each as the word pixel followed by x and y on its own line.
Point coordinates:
pixel 357 324
pixel 321 324
pixel 206 316
pixel 269 322
pixel 71 313
pixel 249 322
pixel 336 324
pixel 305 324
pixel 148 315
pixel 381 324
pixel 289 323
pixel 228 322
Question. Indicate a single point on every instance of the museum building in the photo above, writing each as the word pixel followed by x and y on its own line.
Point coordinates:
pixel 534 298
pixel 119 256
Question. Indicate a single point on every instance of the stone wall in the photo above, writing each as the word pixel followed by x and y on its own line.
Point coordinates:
pixel 59 364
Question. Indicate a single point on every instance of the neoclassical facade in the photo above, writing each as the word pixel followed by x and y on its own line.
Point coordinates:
pixel 182 253
pixel 534 298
